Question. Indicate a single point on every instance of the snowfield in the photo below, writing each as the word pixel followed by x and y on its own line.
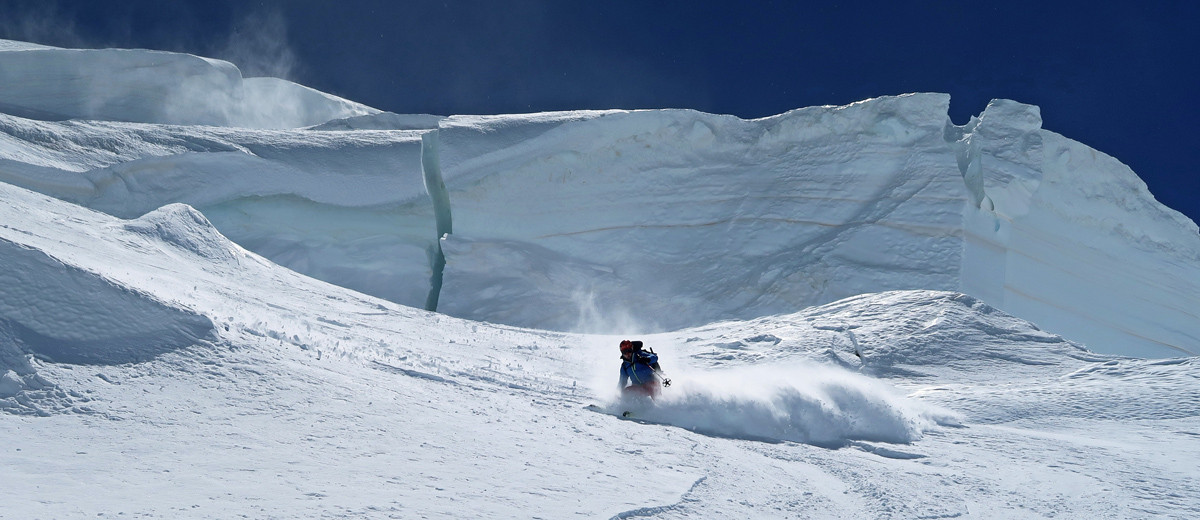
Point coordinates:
pixel 212 319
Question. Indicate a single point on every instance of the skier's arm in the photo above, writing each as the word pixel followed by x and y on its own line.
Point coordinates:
pixel 624 378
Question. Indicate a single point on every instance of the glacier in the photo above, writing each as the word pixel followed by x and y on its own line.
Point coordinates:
pixel 659 219
pixel 255 306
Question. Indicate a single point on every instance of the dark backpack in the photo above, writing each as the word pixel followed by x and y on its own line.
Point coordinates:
pixel 647 357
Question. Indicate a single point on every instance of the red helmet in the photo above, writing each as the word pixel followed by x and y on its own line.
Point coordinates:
pixel 626 346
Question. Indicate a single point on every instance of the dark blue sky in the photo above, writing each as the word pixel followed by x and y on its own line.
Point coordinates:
pixel 1121 78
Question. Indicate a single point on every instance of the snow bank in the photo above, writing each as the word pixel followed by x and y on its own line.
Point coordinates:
pixel 66 314
pixel 897 334
pixel 155 87
pixel 71 298
pixel 279 103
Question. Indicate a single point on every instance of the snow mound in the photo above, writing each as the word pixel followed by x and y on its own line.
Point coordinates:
pixel 279 103
pixel 923 329
pixel 1117 389
pixel 66 314
pixel 155 87
pixel 77 291
pixel 13 45
pixel 182 226
pixel 896 334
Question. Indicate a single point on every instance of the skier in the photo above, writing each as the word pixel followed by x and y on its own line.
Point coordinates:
pixel 640 370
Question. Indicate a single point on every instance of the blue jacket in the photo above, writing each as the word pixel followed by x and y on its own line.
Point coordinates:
pixel 640 370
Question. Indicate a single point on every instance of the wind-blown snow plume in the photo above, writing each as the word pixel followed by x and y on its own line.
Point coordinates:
pixel 258 44
pixel 50 83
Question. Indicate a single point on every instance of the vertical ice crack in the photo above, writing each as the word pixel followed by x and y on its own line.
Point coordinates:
pixel 968 153
pixel 435 186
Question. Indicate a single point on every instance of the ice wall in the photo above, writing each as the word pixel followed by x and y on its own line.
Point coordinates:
pixel 663 219
pixel 1073 237
pixel 345 207
pixel 679 218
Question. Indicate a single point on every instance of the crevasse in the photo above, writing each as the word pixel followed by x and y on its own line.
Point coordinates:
pixel 435 186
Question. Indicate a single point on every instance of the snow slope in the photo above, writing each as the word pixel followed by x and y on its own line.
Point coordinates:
pixel 299 398
pixel 657 219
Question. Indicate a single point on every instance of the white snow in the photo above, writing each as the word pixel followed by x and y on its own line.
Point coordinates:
pixel 842 296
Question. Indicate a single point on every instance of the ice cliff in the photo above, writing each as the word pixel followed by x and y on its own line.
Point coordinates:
pixel 676 218
pixel 655 219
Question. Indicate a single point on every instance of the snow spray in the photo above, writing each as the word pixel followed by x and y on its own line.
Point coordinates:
pixel 820 405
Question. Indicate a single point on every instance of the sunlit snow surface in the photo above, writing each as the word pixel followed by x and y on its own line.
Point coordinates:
pixel 149 366
pixel 305 399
